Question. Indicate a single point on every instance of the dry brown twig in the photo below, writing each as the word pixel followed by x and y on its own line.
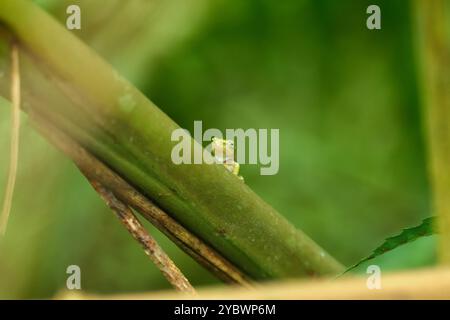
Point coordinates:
pixel 151 247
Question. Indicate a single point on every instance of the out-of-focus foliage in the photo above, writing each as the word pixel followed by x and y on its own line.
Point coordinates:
pixel 345 99
pixel 133 35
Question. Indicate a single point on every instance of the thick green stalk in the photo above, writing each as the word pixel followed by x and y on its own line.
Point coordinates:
pixel 72 87
pixel 434 49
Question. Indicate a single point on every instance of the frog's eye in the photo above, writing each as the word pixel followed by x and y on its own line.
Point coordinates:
pixel 231 143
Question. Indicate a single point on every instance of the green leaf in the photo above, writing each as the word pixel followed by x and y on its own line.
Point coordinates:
pixel 426 228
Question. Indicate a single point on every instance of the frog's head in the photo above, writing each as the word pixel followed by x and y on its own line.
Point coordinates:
pixel 222 146
pixel 222 143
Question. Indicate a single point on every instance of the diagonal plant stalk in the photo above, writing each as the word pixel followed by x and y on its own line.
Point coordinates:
pixel 151 247
pixel 15 134
pixel 74 89
pixel 434 51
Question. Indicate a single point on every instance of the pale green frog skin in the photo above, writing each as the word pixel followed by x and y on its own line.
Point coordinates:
pixel 223 151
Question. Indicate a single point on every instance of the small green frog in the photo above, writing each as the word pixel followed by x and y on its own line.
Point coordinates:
pixel 223 151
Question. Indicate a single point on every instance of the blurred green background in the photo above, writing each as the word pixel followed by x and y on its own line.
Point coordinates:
pixel 346 101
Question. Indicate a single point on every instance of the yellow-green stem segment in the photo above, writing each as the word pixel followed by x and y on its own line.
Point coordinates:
pixel 434 50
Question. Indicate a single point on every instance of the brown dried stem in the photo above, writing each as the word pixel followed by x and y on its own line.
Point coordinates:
pixel 151 247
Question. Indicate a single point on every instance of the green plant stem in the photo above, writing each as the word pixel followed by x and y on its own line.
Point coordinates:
pixel 123 129
pixel 434 50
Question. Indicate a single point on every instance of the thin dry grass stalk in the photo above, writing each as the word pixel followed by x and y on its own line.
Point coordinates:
pixel 151 247
pixel 15 133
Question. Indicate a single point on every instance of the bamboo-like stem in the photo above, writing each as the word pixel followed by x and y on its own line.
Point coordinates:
pixel 151 247
pixel 434 49
pixel 15 133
